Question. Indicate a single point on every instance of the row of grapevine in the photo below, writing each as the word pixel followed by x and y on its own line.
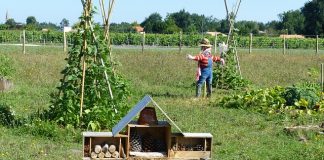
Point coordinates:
pixel 32 37
pixel 164 39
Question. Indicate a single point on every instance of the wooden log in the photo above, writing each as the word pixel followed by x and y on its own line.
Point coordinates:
pixel 94 155
pixel 112 148
pixel 101 155
pixel 97 149
pixel 115 154
pixel 108 155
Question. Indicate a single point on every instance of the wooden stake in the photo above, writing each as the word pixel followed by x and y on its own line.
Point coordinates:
pixel 143 41
pixel 180 42
pixel 250 50
pixel 317 44
pixel 284 45
pixel 322 77
pixel 215 44
pixel 64 43
pixel 24 42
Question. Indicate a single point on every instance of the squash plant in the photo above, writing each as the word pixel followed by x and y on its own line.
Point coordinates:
pixel 89 60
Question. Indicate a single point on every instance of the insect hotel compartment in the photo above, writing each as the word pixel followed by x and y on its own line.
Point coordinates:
pixel 149 140
pixel 191 145
pixel 102 145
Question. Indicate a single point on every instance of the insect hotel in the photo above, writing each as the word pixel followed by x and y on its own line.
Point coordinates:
pixel 146 138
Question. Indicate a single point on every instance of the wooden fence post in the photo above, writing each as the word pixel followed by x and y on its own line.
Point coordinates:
pixel 143 41
pixel 322 77
pixel 250 50
pixel 24 42
pixel 180 42
pixel 64 43
pixel 215 43
pixel 316 44
pixel 284 44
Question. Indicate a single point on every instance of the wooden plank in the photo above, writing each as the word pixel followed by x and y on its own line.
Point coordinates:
pixel 197 135
pixel 192 154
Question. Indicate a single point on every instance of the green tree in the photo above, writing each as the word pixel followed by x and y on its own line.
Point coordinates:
pixel 11 23
pixel 31 23
pixel 313 12
pixel 49 25
pixel 31 20
pixel 293 21
pixel 153 24
pixel 170 26
pixel 272 27
pixel 183 20
pixel 122 27
pixel 64 23
pixel 247 27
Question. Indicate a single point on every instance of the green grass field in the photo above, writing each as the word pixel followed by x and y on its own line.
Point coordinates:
pixel 167 76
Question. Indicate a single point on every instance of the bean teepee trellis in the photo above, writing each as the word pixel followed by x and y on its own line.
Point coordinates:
pixel 230 76
pixel 91 93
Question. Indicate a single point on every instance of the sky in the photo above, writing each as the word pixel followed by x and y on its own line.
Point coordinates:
pixel 137 10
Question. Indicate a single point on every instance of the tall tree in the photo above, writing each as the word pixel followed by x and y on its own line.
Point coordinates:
pixel 31 20
pixel 64 23
pixel 153 24
pixel 182 20
pixel 313 12
pixel 11 23
pixel 170 26
pixel 293 21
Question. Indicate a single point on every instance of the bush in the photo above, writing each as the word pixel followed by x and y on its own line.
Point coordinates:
pixel 7 115
pixel 6 69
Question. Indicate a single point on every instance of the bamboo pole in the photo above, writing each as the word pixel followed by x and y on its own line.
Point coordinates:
pixel 24 42
pixel 251 36
pixel 87 8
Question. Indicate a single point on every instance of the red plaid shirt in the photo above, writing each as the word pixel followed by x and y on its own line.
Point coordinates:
pixel 203 59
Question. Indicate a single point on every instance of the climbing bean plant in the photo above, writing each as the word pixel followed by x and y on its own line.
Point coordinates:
pixel 100 110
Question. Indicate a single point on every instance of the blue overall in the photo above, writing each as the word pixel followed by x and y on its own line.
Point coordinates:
pixel 206 75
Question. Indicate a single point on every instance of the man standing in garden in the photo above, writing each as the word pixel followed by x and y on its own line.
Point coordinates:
pixel 205 66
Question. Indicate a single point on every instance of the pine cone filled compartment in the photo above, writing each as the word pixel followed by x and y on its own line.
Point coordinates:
pixel 149 139
pixel 135 140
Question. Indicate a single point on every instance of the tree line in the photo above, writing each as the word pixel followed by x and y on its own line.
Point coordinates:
pixel 33 24
pixel 308 20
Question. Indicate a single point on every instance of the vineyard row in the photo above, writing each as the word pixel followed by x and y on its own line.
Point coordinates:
pixel 165 39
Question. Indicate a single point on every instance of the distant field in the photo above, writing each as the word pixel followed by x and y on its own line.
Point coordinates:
pixel 168 76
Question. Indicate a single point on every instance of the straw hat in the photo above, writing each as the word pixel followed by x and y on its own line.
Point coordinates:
pixel 204 43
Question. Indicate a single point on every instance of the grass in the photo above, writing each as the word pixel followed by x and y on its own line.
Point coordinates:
pixel 168 76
